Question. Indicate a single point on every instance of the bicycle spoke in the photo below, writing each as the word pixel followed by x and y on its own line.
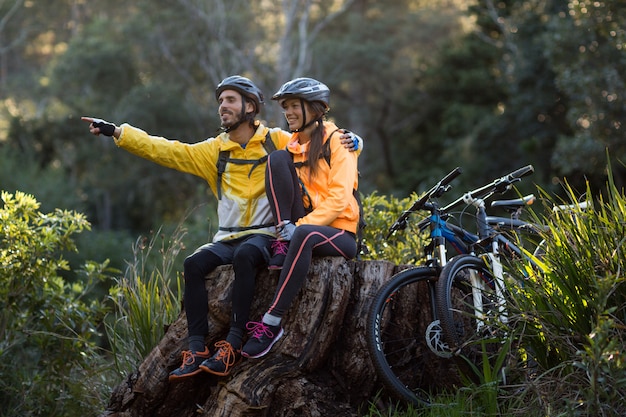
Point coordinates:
pixel 396 337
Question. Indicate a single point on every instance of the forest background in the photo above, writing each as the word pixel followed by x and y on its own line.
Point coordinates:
pixel 430 85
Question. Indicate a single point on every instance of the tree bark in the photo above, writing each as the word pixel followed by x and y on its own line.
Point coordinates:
pixel 320 367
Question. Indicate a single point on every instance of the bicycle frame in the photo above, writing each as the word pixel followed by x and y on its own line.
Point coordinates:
pixel 486 232
pixel 443 233
pixel 464 242
pixel 393 326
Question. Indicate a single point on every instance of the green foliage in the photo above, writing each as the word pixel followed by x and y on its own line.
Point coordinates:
pixel 531 81
pixel 489 375
pixel 94 72
pixel 585 47
pixel 489 87
pixel 21 170
pixel 462 402
pixel 146 300
pixel 49 357
pixel 380 212
pixel 571 317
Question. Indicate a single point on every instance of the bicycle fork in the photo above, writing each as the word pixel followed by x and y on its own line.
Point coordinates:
pixel 494 264
pixel 478 289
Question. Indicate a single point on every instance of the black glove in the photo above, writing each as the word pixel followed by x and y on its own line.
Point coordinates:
pixel 105 127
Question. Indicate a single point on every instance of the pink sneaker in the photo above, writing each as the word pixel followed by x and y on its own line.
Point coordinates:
pixel 279 249
pixel 262 338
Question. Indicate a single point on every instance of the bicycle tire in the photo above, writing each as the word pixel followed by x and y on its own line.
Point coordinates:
pixel 462 326
pixel 393 335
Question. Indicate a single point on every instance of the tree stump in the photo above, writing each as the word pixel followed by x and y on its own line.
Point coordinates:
pixel 320 367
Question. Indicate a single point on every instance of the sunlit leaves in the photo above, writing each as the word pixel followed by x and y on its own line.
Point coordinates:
pixel 48 326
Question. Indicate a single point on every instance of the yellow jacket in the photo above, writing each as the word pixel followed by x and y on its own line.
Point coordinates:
pixel 244 207
pixel 331 190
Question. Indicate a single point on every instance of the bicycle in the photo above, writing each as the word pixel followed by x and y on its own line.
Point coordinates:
pixel 392 327
pixel 471 290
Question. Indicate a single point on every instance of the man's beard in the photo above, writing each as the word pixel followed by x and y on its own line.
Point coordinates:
pixel 231 121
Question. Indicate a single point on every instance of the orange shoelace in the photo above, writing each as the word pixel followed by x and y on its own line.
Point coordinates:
pixel 226 353
pixel 189 358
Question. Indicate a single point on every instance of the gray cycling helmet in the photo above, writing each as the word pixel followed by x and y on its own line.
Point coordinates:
pixel 243 86
pixel 306 89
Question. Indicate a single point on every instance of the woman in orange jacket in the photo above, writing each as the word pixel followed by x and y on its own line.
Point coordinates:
pixel 310 187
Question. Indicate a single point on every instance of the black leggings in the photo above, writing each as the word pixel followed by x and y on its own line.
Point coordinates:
pixel 283 187
pixel 285 197
pixel 247 255
pixel 307 241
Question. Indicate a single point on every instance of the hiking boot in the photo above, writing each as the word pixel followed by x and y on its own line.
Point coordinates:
pixel 279 249
pixel 190 365
pixel 222 360
pixel 262 339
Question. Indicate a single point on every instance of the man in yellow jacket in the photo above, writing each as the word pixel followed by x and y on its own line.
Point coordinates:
pixel 233 164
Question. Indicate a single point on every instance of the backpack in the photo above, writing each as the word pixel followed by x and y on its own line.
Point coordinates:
pixel 224 158
pixel 360 246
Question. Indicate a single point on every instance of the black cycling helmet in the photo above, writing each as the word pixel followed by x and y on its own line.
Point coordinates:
pixel 243 86
pixel 306 89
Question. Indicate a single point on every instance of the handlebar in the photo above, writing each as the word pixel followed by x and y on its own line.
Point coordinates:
pixel 436 191
pixel 451 176
pixel 583 205
pixel 521 172
pixel 499 185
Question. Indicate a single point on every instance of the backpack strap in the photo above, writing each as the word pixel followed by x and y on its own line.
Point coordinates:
pixel 224 158
pixel 221 167
pixel 326 149
pixel 325 153
pixel 360 245
pixel 240 229
pixel 269 144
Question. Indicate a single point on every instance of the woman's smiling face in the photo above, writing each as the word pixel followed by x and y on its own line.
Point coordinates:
pixel 292 109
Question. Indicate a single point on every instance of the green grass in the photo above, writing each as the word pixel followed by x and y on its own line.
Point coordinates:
pixel 146 299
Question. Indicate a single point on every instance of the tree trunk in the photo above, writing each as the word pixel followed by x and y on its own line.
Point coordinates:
pixel 320 367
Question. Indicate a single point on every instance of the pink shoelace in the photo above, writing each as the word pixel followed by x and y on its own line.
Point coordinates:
pixel 258 329
pixel 280 247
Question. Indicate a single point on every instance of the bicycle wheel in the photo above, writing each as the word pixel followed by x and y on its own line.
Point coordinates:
pixel 467 306
pixel 395 337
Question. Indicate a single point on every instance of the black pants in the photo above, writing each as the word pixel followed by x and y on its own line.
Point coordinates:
pixel 247 255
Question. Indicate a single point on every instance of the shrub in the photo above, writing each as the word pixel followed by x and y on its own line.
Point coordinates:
pixel 49 359
pixel 572 316
pixel 404 247
pixel 146 299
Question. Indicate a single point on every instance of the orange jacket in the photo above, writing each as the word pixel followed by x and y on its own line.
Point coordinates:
pixel 331 189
